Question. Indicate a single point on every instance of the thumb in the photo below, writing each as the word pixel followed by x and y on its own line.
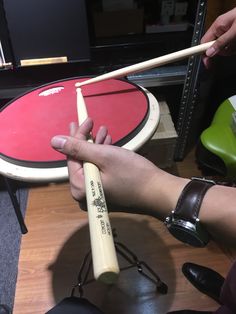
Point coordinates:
pixel 77 149
pixel 221 43
pixel 58 142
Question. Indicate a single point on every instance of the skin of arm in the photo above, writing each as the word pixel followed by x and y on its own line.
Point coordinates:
pixel 223 30
pixel 135 185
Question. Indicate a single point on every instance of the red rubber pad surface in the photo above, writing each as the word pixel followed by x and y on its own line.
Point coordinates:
pixel 28 123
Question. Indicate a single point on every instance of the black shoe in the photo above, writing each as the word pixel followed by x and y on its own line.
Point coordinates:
pixel 189 312
pixel 204 279
pixel 4 309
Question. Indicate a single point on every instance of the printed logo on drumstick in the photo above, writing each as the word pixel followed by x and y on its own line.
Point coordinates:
pixel 100 204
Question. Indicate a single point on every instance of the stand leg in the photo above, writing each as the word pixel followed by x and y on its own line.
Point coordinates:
pixel 16 205
pixel 82 279
pixel 133 261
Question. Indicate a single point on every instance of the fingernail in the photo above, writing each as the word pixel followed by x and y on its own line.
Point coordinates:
pixel 58 142
pixel 211 52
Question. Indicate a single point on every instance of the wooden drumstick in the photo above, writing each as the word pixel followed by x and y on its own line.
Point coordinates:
pixel 149 64
pixel 105 264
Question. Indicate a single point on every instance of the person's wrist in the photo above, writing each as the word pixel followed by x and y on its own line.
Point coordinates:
pixel 173 192
pixel 164 194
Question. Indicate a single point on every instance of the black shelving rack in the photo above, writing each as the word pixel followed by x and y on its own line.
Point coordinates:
pixel 191 87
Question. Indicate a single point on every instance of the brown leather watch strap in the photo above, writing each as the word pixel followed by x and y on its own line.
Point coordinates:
pixel 190 200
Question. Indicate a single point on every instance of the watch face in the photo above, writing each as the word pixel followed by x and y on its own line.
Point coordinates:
pixel 188 232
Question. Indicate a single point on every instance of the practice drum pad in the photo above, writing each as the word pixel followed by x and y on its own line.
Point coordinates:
pixel 28 123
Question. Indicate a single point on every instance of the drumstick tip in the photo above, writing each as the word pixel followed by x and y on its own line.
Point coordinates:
pixel 78 84
pixel 79 92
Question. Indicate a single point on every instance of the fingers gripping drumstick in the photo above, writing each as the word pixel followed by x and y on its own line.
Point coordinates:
pixel 105 264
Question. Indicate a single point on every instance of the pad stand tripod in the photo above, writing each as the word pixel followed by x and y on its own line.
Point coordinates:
pixel 133 262
pixel 12 193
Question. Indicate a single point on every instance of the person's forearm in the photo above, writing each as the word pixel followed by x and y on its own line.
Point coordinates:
pixel 218 213
pixel 159 197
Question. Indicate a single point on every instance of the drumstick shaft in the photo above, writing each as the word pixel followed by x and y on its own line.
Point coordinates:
pixel 149 64
pixel 105 264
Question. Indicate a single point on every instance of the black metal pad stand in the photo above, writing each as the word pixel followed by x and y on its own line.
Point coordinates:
pixel 12 193
pixel 133 261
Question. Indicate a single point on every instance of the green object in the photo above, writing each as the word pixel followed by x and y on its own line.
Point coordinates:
pixel 219 137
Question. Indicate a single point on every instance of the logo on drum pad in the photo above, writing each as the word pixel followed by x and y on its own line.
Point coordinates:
pixel 51 91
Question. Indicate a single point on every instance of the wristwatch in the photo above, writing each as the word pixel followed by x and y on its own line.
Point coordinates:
pixel 183 222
